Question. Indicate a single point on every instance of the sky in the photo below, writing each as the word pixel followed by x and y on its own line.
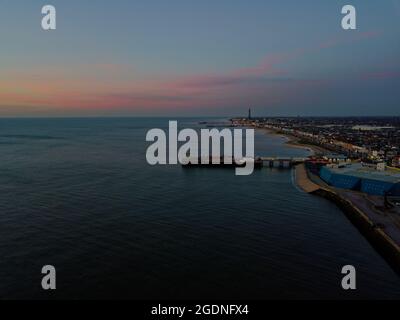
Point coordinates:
pixel 197 58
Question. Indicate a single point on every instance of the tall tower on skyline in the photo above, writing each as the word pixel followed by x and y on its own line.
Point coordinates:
pixel 249 113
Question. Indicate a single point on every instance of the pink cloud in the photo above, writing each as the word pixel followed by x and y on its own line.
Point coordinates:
pixel 111 85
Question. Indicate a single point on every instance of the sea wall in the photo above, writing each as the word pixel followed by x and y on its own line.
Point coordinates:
pixel 376 236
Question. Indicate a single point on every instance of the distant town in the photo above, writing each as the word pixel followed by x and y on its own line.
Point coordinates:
pixel 355 163
pixel 370 139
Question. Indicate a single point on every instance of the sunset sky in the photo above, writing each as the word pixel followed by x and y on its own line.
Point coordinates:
pixel 183 58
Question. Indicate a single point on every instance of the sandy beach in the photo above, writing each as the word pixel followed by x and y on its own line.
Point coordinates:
pixel 294 142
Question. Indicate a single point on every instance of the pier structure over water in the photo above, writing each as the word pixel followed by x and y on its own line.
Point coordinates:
pixel 281 162
pixel 259 162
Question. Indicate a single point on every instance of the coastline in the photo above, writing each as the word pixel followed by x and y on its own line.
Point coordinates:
pixel 293 142
pixel 361 218
pixel 384 238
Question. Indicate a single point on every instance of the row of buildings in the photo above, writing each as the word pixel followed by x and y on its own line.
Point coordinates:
pixel 360 177
pixel 365 152
pixel 372 139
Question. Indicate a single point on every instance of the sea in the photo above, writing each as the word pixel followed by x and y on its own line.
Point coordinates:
pixel 78 194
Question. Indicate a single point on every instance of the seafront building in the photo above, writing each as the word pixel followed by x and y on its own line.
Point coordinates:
pixel 364 178
pixel 363 154
pixel 375 139
pixel 355 164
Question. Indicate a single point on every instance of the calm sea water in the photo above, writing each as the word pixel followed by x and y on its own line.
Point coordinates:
pixel 79 195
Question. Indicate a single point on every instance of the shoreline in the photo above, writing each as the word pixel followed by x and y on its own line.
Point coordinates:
pixel 385 242
pixel 362 219
pixel 293 142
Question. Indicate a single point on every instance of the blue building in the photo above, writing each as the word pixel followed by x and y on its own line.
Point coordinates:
pixel 365 179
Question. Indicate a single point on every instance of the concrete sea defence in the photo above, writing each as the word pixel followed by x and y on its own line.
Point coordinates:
pixel 374 233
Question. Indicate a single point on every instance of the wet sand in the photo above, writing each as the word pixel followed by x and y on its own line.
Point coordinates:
pixel 294 142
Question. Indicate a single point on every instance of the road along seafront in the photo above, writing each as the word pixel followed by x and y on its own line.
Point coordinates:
pixel 382 232
pixel 292 140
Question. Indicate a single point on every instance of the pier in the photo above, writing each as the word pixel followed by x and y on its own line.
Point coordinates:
pixel 259 162
pixel 281 162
